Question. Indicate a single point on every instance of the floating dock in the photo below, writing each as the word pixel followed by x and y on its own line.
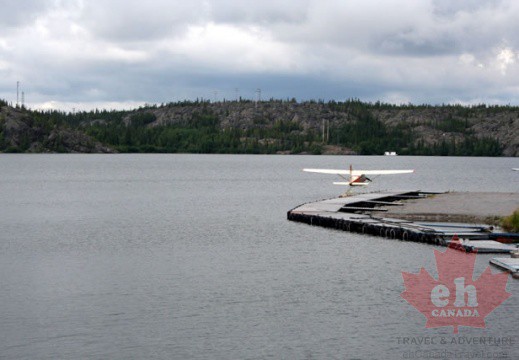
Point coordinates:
pixel 484 246
pixel 509 264
pixel 388 214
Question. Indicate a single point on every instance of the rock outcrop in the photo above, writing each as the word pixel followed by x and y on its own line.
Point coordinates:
pixel 427 126
pixel 428 123
pixel 20 132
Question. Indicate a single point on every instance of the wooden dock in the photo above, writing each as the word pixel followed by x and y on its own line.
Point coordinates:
pixel 367 213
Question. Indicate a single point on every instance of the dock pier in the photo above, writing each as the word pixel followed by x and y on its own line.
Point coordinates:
pixel 373 214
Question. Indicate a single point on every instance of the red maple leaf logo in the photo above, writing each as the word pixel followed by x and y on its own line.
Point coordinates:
pixel 455 299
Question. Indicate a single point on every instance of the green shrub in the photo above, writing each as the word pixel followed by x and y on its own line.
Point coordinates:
pixel 511 223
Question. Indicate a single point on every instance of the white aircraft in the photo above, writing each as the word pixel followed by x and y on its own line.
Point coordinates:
pixel 356 177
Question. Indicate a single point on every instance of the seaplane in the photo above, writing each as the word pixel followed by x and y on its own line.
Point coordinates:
pixel 356 177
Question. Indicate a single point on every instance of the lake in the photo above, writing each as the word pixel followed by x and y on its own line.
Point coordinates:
pixel 191 257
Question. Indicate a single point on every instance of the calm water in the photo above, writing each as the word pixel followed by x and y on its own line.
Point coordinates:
pixel 191 256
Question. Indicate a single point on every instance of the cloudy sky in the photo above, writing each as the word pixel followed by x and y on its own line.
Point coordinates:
pixel 122 53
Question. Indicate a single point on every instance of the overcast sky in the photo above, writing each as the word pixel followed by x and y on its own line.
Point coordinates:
pixel 123 53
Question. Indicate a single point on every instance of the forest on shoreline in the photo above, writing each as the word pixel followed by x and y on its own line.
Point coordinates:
pixel 267 127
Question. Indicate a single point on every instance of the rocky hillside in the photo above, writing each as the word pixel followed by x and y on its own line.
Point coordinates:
pixel 428 124
pixel 274 126
pixel 21 131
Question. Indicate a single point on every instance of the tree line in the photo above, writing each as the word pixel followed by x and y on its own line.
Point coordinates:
pixel 203 132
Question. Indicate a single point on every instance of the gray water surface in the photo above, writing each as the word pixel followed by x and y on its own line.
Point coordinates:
pixel 191 256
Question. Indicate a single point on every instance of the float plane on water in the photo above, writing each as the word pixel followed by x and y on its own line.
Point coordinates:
pixel 356 177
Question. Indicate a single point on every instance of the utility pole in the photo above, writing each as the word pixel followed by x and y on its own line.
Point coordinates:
pixel 328 131
pixel 323 131
pixel 258 98
pixel 17 93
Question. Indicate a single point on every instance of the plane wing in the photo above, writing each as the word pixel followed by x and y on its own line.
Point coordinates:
pixel 358 172
pixel 381 172
pixel 328 171
pixel 356 177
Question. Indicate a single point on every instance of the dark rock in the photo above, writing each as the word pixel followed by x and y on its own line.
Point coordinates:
pixel 20 133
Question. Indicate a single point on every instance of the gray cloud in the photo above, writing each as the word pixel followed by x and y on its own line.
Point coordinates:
pixel 126 52
pixel 131 20
pixel 21 12
pixel 450 9
pixel 259 12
